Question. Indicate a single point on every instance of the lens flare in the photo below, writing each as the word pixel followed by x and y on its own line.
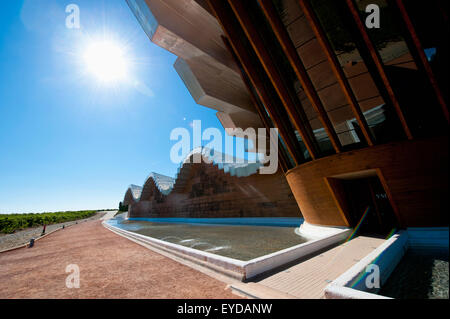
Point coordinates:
pixel 106 61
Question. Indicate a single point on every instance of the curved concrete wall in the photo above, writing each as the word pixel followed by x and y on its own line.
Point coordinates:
pixel 413 173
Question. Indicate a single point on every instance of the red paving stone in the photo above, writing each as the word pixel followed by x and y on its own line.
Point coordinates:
pixel 110 267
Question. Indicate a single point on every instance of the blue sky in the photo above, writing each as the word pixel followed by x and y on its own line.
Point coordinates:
pixel 66 141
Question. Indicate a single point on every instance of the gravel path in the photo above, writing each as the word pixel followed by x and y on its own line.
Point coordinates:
pixel 22 237
pixel 110 266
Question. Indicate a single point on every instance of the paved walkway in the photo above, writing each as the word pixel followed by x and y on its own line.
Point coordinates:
pixel 109 215
pixel 307 279
pixel 110 267
pixel 22 237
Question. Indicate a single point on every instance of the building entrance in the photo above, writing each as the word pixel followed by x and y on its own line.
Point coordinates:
pixel 368 206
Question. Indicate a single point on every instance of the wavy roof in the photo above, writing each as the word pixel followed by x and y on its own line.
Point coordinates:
pixel 132 194
pixel 165 185
pixel 229 164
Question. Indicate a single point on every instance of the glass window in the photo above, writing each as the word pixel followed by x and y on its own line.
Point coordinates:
pixel 380 116
pixel 283 65
pixel 411 86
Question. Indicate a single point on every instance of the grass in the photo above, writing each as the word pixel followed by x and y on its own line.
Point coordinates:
pixel 9 223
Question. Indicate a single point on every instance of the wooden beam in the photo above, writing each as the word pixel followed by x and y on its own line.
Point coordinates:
pixel 336 67
pixel 419 55
pixel 376 59
pixel 260 108
pixel 300 70
pixel 225 18
pixel 443 10
pixel 296 113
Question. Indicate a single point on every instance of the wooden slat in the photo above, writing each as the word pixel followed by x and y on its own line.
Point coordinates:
pixel 419 56
pixel 376 59
pixel 336 67
pixel 300 70
pixel 224 17
pixel 295 112
pixel 262 114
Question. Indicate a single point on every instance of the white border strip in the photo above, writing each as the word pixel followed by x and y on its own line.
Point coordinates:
pixel 393 251
pixel 386 256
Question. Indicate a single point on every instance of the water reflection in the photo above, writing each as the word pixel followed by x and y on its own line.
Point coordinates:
pixel 235 241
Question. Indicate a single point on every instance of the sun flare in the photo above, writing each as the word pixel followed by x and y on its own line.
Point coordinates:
pixel 106 61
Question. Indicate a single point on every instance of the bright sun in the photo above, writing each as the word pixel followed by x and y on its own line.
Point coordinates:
pixel 106 61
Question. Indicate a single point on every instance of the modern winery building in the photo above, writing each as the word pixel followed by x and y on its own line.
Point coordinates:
pixel 358 90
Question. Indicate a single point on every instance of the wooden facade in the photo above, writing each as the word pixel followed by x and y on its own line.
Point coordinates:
pixel 414 175
pixel 353 100
pixel 351 103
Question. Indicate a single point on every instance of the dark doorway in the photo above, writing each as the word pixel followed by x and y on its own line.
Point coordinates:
pixel 367 194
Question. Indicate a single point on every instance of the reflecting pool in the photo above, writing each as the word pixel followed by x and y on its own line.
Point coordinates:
pixel 242 242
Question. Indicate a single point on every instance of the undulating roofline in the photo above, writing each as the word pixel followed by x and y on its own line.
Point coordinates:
pixel 165 184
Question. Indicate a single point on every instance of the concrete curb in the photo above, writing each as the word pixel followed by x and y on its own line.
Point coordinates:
pixel 350 285
pixel 26 245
